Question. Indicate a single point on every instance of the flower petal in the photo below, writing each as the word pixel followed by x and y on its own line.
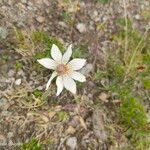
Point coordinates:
pixel 54 74
pixel 69 84
pixel 56 53
pixel 67 54
pixel 77 63
pixel 78 76
pixel 47 63
pixel 59 83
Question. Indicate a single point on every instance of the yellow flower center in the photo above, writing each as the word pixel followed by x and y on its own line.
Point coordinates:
pixel 62 69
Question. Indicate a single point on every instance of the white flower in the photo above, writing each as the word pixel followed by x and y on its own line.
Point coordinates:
pixel 65 71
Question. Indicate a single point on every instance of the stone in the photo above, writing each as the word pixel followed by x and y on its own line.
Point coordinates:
pixel 6 113
pixel 3 102
pixel 46 2
pixel 72 143
pixel 98 125
pixel 81 27
pixel 63 24
pixel 40 19
pixel 11 73
pixel 24 1
pixel 40 88
pixel 137 17
pixel 87 69
pixel 18 82
pixel 3 33
pixel 103 96
pixel 21 73
pixel 71 130
pixel 10 134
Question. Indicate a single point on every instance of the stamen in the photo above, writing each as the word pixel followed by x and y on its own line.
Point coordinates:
pixel 62 69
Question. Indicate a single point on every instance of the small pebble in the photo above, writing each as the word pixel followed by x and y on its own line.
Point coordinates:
pixel 11 73
pixel 18 82
pixel 137 17
pixel 87 69
pixel 3 102
pixel 5 113
pixel 3 33
pixel 40 88
pixel 71 130
pixel 72 143
pixel 81 27
pixel 24 1
pixel 103 96
pixel 21 73
pixel 10 134
pixel 40 19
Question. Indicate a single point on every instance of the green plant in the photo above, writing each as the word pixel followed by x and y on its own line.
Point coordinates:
pixel 32 144
pixel 132 114
pixel 3 57
pixel 18 65
pixel 104 1
pixel 62 115
pixel 122 69
pixel 46 42
pixel 66 16
pixel 80 50
pixel 37 93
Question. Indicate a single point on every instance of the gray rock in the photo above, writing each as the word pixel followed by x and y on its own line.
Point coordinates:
pixel 46 2
pixel 34 73
pixel 72 142
pixel 63 24
pixel 21 73
pixel 137 17
pixel 24 1
pixel 3 102
pixel 18 82
pixel 6 113
pixel 3 33
pixel 10 134
pixel 40 88
pixel 98 125
pixel 11 73
pixel 40 19
pixel 87 69
pixel 81 27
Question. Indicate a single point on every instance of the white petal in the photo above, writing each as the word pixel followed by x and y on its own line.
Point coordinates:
pixel 56 53
pixel 69 84
pixel 77 76
pixel 59 83
pixel 77 63
pixel 67 54
pixel 54 74
pixel 47 63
